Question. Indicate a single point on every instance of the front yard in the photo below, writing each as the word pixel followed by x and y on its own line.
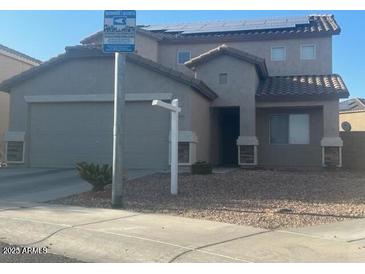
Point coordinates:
pixel 261 198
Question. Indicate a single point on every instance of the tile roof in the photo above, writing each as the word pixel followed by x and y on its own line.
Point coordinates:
pixel 302 86
pixel 318 25
pixel 19 54
pixel 352 105
pixel 224 49
pixel 93 50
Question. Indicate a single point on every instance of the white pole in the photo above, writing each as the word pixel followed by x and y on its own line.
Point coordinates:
pixel 118 132
pixel 174 147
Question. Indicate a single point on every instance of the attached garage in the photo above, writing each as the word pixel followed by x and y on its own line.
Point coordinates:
pixel 61 112
pixel 62 134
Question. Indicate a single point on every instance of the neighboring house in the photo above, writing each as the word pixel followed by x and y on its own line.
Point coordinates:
pixel 352 115
pixel 258 92
pixel 12 62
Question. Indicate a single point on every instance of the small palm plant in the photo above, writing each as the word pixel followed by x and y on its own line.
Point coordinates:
pixel 97 175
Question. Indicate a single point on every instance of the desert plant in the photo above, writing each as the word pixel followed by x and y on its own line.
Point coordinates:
pixel 97 175
pixel 201 167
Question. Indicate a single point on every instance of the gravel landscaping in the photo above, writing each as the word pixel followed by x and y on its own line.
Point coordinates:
pixel 261 198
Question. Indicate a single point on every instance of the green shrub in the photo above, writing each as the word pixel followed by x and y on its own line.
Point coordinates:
pixel 201 167
pixel 97 175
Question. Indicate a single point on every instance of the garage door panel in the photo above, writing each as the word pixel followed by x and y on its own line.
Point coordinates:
pixel 63 134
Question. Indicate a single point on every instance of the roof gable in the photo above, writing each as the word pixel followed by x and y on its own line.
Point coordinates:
pixel 258 62
pixel 95 51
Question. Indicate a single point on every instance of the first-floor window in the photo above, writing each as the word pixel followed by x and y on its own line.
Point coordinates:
pixel 15 151
pixel 289 129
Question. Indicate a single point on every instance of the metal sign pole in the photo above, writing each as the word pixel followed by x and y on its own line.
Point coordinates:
pixel 119 38
pixel 118 131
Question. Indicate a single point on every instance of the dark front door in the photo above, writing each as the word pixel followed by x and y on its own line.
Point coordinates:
pixel 230 131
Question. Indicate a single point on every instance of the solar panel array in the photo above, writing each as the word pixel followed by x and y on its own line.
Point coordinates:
pixel 226 26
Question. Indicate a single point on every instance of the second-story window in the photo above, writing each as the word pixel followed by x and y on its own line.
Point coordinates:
pixel 278 54
pixel 183 56
pixel 307 52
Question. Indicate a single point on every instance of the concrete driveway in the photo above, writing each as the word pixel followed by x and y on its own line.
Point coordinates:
pixel 39 185
pixel 107 235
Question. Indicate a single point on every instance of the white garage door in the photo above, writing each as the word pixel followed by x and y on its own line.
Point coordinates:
pixel 62 134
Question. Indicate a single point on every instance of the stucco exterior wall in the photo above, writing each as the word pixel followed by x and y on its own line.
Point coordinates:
pixel 291 66
pixel 8 68
pixel 95 76
pixel 200 124
pixel 356 119
pixel 242 81
pixel 146 47
pixel 282 155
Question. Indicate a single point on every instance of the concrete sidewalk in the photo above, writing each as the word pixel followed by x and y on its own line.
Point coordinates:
pixel 106 235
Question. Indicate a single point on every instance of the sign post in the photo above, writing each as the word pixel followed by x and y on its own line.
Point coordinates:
pixel 118 38
pixel 175 109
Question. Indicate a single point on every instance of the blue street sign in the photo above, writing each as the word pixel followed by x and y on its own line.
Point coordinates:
pixel 119 31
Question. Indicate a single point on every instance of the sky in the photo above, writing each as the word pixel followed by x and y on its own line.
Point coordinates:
pixel 45 34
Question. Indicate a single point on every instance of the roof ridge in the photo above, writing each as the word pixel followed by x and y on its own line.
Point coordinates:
pixel 233 52
pixel 20 54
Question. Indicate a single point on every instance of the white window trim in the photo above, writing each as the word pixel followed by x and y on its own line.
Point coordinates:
pixel 306 45
pixel 83 98
pixel 6 154
pixel 177 55
pixel 275 60
pixel 289 144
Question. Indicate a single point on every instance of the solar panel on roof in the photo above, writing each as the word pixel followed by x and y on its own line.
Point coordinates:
pixel 230 26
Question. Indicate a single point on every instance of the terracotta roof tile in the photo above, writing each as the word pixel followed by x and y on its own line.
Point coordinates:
pixel 302 85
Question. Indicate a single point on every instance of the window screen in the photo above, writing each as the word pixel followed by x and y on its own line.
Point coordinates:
pixel 183 56
pixel 278 53
pixel 299 129
pixel 279 125
pixel 308 52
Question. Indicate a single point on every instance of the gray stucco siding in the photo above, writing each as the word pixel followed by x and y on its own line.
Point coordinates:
pixel 201 126
pixel 240 89
pixel 291 66
pixel 88 126
pixel 282 155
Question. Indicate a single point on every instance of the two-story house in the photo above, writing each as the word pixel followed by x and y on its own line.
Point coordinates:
pixel 252 92
pixel 12 62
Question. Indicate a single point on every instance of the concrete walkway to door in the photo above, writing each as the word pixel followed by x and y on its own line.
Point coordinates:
pixel 107 235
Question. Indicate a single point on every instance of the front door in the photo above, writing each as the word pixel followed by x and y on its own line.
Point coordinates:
pixel 229 134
